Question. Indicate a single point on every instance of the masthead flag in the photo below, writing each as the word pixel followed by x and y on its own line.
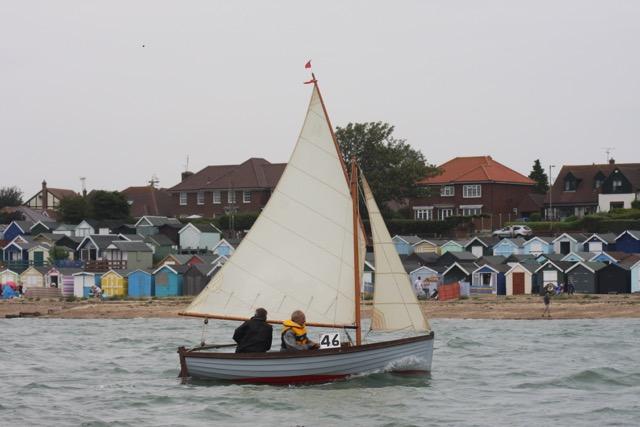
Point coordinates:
pixel 308 64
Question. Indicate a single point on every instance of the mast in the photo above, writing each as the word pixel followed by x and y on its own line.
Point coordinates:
pixel 356 256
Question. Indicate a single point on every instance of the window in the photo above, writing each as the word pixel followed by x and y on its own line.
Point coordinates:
pixel 616 205
pixel 569 184
pixel 200 198
pixel 183 198
pixel 217 197
pixel 424 214
pixel 469 191
pixel 444 214
pixel 231 196
pixel 246 197
pixel 470 211
pixel 617 185
pixel 447 191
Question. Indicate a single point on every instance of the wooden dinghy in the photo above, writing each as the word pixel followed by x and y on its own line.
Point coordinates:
pixel 306 251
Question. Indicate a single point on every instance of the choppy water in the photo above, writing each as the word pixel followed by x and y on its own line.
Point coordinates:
pixel 485 372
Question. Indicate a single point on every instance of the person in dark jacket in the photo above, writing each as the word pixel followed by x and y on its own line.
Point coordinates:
pixel 254 335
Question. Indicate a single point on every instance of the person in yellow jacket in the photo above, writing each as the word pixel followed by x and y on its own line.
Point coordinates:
pixel 294 334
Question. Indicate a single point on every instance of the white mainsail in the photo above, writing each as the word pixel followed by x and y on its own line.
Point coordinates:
pixel 299 253
pixel 395 306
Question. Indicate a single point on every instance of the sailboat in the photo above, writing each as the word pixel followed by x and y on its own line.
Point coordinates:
pixel 306 252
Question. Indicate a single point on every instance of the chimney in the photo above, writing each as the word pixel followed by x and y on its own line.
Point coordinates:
pixel 612 161
pixel 185 175
pixel 45 196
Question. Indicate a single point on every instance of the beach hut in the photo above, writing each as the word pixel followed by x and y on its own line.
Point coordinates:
pixel 82 283
pixel 568 242
pixel 489 278
pixel 33 277
pixel 9 276
pixel 481 247
pixel 458 272
pixel 429 276
pixel 599 243
pixel 197 277
pixel 141 283
pixel 450 246
pixel 537 246
pixel 551 273
pixel 114 283
pixel 578 256
pixel 614 279
pixel 169 279
pixel 519 278
pixel 628 241
pixel 635 274
pixel 199 236
pixel 426 246
pixel 508 247
pixel 404 244
pixel 61 278
pixel 584 276
pixel 223 248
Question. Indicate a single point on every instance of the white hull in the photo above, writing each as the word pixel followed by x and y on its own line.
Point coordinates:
pixel 403 355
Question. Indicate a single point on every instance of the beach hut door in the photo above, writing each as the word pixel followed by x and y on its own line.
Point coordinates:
pixel 477 251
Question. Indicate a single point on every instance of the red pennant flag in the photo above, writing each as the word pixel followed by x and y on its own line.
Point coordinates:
pixel 310 81
pixel 308 64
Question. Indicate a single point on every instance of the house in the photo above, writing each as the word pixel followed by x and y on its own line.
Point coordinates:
pixel 148 200
pixel 620 188
pixel 490 279
pixel 481 247
pixel 404 244
pixel 551 273
pixel 615 279
pixel 537 246
pixel 216 190
pixel 568 242
pixel 33 277
pixel 197 277
pixel 149 224
pixel 628 241
pixel 199 236
pixel 450 246
pixel 584 276
pixel 223 248
pixel 519 278
pixel 473 186
pixel 600 242
pixel 48 199
pixel 169 280
pixel 580 190
pixel 15 229
pixel 161 246
pixel 129 255
pixel 140 283
pixel 508 247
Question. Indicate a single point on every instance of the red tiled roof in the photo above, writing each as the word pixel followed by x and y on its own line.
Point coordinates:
pixel 61 193
pixel 476 169
pixel 148 200
pixel 253 173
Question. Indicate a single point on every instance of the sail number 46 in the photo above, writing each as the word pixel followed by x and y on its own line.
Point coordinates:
pixel 331 340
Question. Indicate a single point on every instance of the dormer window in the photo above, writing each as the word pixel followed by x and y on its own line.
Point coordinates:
pixel 598 180
pixel 569 183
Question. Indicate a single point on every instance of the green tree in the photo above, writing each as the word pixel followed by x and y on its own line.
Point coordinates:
pixel 57 253
pixel 540 177
pixel 73 209
pixel 108 205
pixel 10 196
pixel 390 164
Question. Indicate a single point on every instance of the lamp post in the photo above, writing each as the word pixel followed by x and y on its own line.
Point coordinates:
pixel 551 215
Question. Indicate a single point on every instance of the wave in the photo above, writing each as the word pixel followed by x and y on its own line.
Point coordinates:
pixel 588 379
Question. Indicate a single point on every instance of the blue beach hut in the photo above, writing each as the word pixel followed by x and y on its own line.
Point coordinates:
pixel 629 242
pixel 141 284
pixel 168 280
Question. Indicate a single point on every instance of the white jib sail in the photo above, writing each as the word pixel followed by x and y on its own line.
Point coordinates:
pixel 299 253
pixel 395 306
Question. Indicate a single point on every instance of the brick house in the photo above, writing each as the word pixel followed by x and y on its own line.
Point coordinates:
pixel 472 186
pixel 148 200
pixel 217 189
pixel 584 189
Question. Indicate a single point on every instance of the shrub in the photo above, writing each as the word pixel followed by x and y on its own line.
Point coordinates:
pixel 535 217
pixel 635 204
pixel 571 218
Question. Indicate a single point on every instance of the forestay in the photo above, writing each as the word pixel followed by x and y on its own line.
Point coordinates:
pixel 299 252
pixel 395 306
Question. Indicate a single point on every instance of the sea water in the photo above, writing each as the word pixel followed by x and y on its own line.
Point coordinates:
pixel 485 372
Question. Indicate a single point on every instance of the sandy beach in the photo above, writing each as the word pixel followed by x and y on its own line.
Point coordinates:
pixel 480 307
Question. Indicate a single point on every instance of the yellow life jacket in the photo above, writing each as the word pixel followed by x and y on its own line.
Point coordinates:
pixel 299 330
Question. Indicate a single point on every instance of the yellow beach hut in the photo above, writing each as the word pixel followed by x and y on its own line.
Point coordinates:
pixel 114 283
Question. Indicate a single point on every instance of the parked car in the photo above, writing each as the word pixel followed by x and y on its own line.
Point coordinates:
pixel 514 231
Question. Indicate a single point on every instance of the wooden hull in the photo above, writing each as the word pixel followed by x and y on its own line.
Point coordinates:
pixel 403 355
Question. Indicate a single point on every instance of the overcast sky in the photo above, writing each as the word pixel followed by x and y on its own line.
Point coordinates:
pixel 222 81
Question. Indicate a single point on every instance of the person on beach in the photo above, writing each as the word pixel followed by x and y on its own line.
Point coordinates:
pixel 294 334
pixel 417 286
pixel 547 303
pixel 255 335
